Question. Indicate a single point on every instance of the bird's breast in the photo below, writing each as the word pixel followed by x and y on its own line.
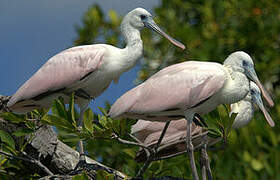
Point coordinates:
pixel 96 83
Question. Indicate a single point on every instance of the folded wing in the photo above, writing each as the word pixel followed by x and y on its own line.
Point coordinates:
pixel 180 86
pixel 61 71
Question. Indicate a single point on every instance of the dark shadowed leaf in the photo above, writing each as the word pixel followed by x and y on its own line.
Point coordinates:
pixel 6 138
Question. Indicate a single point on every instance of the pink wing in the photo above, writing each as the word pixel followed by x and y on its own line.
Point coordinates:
pixel 148 131
pixel 180 86
pixel 61 71
pixel 143 128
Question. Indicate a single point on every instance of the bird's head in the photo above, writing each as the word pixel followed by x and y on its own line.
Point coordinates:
pixel 241 60
pixel 140 18
pixel 254 98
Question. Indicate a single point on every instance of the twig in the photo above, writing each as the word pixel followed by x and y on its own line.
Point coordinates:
pixel 116 137
pixel 29 159
pixel 138 141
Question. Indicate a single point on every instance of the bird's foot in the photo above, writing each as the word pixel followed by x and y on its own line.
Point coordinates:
pixel 204 161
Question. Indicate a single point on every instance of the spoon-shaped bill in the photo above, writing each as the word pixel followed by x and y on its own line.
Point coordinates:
pixel 253 76
pixel 149 23
pixel 265 94
pixel 257 99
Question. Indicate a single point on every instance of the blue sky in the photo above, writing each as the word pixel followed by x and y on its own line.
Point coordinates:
pixel 32 31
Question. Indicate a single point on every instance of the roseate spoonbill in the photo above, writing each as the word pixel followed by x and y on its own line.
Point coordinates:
pixel 187 88
pixel 86 70
pixel 173 142
pixel 149 132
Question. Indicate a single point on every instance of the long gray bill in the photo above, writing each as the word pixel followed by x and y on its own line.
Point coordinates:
pixel 268 118
pixel 152 25
pixel 253 76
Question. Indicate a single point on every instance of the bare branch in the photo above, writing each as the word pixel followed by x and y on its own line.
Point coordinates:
pixel 28 159
pixel 116 137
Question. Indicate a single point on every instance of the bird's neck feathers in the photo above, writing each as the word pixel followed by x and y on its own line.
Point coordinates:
pixel 131 34
pixel 236 87
pixel 134 47
pixel 245 110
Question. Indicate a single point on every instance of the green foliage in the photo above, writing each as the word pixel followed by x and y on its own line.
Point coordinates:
pixel 103 175
pixel 7 140
pixel 82 176
pixel 96 27
pixel 9 145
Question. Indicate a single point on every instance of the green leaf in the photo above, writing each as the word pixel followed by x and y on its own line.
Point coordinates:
pixel 103 111
pixel 82 176
pixel 71 113
pixel 103 121
pixel 22 132
pixel 71 138
pixel 256 165
pixel 246 156
pixel 114 17
pixel 6 138
pixel 59 109
pixel 58 122
pixel 88 120
pixel 14 118
pixel 130 152
pixel 101 175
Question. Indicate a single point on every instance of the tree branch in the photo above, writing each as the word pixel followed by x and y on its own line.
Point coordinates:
pixel 28 159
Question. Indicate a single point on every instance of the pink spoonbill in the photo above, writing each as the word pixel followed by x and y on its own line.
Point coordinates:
pixel 173 142
pixel 149 132
pixel 86 70
pixel 184 89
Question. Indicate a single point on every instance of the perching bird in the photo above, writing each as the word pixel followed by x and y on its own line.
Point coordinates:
pixel 184 89
pixel 149 132
pixel 86 70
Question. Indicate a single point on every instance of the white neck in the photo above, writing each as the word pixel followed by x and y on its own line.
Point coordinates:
pixel 236 87
pixel 134 46
pixel 131 34
pixel 245 114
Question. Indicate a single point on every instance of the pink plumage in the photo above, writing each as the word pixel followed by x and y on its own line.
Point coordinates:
pixel 180 86
pixel 64 70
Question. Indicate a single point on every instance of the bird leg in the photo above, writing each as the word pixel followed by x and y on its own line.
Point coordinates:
pixel 190 149
pixel 205 157
pixel 204 160
pixel 162 135
pixel 151 156
pixel 81 145
pixel 203 169
pixel 82 158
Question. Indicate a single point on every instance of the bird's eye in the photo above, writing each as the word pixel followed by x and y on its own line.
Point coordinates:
pixel 244 63
pixel 143 17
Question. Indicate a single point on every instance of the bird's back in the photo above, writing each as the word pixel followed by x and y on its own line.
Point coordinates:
pixel 178 86
pixel 59 74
